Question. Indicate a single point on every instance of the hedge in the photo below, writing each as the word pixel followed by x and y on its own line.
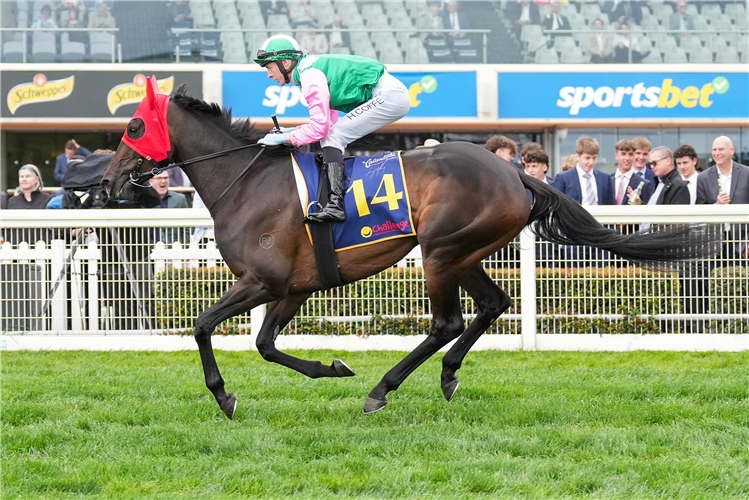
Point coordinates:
pixel 181 295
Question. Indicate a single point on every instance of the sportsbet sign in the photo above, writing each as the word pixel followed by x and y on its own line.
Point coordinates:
pixel 623 95
pixel 85 94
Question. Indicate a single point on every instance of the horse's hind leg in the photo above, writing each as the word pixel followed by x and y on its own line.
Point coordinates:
pixel 245 294
pixel 447 324
pixel 276 318
pixel 491 302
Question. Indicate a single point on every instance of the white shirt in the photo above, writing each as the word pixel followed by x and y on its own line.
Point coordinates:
pixel 454 21
pixel 584 183
pixel 725 181
pixel 525 13
pixel 692 181
pixel 625 178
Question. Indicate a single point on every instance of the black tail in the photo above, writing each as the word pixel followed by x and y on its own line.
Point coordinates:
pixel 560 219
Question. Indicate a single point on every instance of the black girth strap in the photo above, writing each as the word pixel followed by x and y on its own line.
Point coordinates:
pixel 322 241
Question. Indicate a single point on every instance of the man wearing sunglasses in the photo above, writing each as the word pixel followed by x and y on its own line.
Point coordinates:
pixel 357 86
pixel 671 188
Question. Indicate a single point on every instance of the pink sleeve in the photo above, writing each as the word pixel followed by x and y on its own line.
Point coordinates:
pixel 321 117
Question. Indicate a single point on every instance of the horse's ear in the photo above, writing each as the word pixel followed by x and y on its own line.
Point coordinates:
pixel 152 90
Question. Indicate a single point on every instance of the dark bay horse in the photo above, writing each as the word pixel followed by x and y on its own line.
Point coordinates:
pixel 466 203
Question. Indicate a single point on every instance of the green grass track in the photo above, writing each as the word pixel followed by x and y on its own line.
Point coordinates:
pixel 142 425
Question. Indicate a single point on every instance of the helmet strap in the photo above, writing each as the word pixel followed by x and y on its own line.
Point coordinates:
pixel 285 72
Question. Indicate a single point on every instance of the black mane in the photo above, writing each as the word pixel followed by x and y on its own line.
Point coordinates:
pixel 242 130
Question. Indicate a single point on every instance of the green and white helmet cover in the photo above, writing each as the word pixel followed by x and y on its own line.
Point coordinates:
pixel 277 48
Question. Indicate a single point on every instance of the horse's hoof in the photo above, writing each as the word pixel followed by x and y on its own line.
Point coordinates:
pixel 230 406
pixel 372 405
pixel 342 369
pixel 449 389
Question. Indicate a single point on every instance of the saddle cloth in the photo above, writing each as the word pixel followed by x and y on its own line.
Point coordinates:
pixel 377 206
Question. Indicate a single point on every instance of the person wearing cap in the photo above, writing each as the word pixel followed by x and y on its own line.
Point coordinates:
pixel 357 86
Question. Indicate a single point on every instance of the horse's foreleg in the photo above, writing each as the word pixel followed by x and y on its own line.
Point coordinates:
pixel 447 324
pixel 276 318
pixel 491 302
pixel 245 294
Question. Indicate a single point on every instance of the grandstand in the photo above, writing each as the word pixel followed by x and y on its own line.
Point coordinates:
pixel 230 31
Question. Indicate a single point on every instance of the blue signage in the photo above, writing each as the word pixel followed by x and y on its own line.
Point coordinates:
pixel 446 95
pixel 623 95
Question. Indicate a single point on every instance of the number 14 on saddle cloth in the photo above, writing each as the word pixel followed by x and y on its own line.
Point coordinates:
pixel 377 205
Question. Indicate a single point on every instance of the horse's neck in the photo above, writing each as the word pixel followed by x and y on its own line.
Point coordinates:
pixel 209 177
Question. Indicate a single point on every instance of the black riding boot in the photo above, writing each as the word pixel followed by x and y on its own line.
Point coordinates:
pixel 334 211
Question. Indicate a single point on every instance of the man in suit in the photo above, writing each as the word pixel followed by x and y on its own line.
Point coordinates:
pixel 671 188
pixel 537 165
pixel 523 13
pixel 726 181
pixel 337 38
pixel 625 182
pixel 686 162
pixel 623 11
pixel 680 20
pixel 555 21
pixel 640 165
pixel 584 183
pixel 61 164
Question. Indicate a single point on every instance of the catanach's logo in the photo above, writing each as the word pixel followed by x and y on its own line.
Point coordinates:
pixel 134 92
pixel 667 96
pixel 38 91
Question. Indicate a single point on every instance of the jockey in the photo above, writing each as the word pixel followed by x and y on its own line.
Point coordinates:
pixel 358 86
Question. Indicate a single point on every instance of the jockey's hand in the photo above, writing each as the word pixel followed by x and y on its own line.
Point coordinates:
pixel 287 130
pixel 273 140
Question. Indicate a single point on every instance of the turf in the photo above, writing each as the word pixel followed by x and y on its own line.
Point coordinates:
pixel 522 425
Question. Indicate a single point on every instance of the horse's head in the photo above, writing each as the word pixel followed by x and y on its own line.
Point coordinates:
pixel 144 147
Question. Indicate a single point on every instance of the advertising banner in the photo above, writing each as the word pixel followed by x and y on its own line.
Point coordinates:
pixel 85 94
pixel 444 95
pixel 623 95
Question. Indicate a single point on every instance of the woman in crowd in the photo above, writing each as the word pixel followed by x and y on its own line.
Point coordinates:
pixel 30 191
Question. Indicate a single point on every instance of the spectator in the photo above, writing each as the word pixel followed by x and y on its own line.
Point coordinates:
pixel 502 147
pixel 554 21
pixel 454 20
pixel 527 148
pixel 625 182
pixel 169 199
pixel 671 189
pixel 102 18
pixel 686 161
pixel 569 163
pixel 337 38
pixel 537 164
pixel 438 48
pixel 431 20
pixel 302 12
pixel 61 164
pixel 62 11
pixel 178 14
pixel 523 13
pixel 642 151
pixel 599 45
pixel 623 11
pixel 46 21
pixel 726 181
pixel 313 42
pixel 29 194
pixel 9 18
pixel 584 183
pixel 624 43
pixel 681 21
pixel 273 7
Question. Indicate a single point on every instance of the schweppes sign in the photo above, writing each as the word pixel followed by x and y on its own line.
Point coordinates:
pixel 38 91
pixel 134 92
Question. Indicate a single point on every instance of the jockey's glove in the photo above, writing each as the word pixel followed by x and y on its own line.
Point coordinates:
pixel 287 130
pixel 273 140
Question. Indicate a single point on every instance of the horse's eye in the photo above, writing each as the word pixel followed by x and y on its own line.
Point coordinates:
pixel 136 129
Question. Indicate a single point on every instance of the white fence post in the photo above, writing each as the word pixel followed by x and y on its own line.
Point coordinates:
pixel 177 263
pixel 211 245
pixel 59 299
pixel 159 264
pixel 40 248
pixel 76 289
pixel 528 289
pixel 257 316
pixel 93 286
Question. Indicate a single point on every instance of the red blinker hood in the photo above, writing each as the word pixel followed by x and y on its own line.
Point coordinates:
pixel 155 144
